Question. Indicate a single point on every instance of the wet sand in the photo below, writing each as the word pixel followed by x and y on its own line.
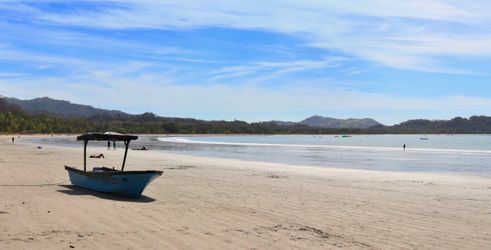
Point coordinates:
pixel 207 203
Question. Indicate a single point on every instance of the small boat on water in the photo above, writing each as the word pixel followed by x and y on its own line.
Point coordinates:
pixel 108 180
pixel 423 138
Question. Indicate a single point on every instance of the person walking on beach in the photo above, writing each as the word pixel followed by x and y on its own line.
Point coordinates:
pixel 13 139
pixel 114 145
pixel 108 145
pixel 404 147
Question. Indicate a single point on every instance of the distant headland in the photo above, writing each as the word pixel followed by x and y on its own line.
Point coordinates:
pixel 47 115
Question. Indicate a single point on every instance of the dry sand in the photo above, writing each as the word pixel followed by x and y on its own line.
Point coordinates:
pixel 204 203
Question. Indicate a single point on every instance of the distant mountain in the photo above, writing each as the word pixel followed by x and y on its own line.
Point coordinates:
pixel 46 105
pixel 317 121
pixel 60 108
pixel 23 115
pixel 328 122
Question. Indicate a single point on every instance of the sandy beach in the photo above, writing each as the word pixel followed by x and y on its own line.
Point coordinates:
pixel 207 203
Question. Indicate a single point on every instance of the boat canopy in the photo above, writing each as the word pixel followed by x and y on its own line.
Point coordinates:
pixel 108 136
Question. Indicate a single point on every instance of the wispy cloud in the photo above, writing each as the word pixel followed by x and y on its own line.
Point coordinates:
pixel 408 34
pixel 271 70
pixel 210 58
pixel 229 102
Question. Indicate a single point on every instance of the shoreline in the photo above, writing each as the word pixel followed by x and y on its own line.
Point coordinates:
pixel 211 203
pixel 294 163
pixel 204 135
pixel 293 168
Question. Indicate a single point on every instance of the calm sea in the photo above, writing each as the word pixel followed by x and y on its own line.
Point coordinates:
pixel 466 154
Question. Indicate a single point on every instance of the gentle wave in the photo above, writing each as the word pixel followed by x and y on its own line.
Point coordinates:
pixel 393 149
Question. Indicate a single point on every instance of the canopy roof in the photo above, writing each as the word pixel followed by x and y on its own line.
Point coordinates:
pixel 108 136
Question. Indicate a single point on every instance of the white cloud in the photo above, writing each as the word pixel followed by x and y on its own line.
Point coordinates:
pixel 273 69
pixel 401 34
pixel 163 96
pixel 413 35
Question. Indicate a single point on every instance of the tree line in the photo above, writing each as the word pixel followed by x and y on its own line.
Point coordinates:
pixel 15 120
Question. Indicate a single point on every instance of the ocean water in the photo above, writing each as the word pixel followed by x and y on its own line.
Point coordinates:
pixel 466 154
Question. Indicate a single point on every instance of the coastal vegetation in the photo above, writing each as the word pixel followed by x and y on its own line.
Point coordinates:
pixel 14 119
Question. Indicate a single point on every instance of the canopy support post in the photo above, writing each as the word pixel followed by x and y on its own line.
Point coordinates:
pixel 126 144
pixel 85 155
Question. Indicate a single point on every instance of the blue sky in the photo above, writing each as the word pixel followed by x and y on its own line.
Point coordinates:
pixel 253 60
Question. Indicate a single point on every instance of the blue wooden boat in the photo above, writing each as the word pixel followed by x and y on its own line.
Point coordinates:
pixel 102 179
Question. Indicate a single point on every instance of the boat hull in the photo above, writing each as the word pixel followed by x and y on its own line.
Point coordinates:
pixel 126 183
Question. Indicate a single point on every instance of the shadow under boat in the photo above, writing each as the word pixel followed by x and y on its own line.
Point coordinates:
pixel 80 191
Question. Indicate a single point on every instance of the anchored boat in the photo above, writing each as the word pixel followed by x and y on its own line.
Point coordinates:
pixel 102 179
